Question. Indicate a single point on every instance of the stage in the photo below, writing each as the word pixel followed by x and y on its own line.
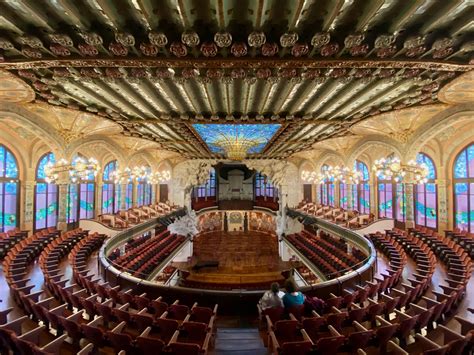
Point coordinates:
pixel 242 257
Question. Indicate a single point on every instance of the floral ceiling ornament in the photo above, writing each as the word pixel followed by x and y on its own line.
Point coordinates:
pixel 6 44
pixel 288 39
pixel 32 41
pixel 31 52
pixel 443 47
pixel 148 49
pixel 190 38
pixel 329 49
pixel 125 39
pixel 189 73
pixel 263 73
pixel 300 49
pixel 256 39
pixel 223 39
pixel 354 40
pixel 158 38
pixel 178 49
pixel 59 50
pixel 118 49
pixel 239 49
pixel 62 39
pixel 209 49
pixel 269 49
pixel 320 39
pixel 92 38
pixel 88 49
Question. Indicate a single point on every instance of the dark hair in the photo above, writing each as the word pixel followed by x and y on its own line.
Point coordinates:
pixel 290 286
pixel 275 287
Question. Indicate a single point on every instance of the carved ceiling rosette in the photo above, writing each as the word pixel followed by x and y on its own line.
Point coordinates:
pixel 59 50
pixel 209 49
pixel 6 44
pixel 149 49
pixel 239 49
pixel 214 73
pixel 178 49
pixel 189 73
pixel 190 38
pixel 329 49
pixel 300 49
pixel 88 49
pixel 256 39
pixel 320 39
pixel 92 38
pixel 288 39
pixel 31 52
pixel 443 47
pixel 31 41
pixel 223 39
pixel 118 49
pixel 239 73
pixel 269 49
pixel 263 73
pixel 125 39
pixel 385 46
pixel 157 38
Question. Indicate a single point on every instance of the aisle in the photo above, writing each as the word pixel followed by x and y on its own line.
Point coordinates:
pixel 242 341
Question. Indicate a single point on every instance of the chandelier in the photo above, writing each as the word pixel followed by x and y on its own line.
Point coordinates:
pixel 80 169
pixel 392 168
pixel 333 174
pixel 236 147
pixel 140 173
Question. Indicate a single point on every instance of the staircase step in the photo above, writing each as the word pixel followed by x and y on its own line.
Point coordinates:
pixel 239 341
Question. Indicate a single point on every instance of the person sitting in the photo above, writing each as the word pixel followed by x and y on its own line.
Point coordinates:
pixel 271 298
pixel 292 297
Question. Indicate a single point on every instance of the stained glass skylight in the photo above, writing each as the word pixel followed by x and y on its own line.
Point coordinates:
pixel 211 133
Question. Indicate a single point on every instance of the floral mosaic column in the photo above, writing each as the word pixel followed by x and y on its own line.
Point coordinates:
pixel 62 208
pixel 28 217
pixel 350 203
pixel 123 196
pixel 409 206
pixel 443 217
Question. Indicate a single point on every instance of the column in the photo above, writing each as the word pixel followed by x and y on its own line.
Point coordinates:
pixel 350 203
pixel 123 195
pixel 442 213
pixel 135 194
pixel 153 193
pixel 28 191
pixel 409 206
pixel 62 208
pixel 337 194
pixel 98 199
pixel 317 193
pixel 373 195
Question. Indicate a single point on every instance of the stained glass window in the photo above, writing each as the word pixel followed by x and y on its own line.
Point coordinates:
pixel 129 196
pixel 327 189
pixel 46 196
pixel 361 191
pixel 425 196
pixel 86 200
pixel 464 189
pixel 264 187
pixel 110 191
pixel 144 191
pixel 385 199
pixel 343 197
pixel 208 189
pixel 9 190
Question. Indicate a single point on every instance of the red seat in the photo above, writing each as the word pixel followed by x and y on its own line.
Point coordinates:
pixel 184 349
pixel 166 328
pixel 296 348
pixel 177 311
pixel 149 345
pixel 120 341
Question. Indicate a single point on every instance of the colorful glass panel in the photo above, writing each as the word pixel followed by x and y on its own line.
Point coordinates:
pixel 72 204
pixel 464 189
pixel 361 191
pixel 86 200
pixel 109 189
pixel 46 196
pixel 426 200
pixel 9 190
pixel 210 133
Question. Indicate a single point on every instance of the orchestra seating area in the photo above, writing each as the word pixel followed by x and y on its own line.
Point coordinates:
pixel 348 218
pixel 327 253
pixel 141 256
pixel 133 216
pixel 397 313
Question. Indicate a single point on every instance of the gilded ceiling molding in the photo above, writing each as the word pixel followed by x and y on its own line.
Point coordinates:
pixel 250 63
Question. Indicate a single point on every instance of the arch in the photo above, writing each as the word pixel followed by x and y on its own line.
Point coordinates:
pixel 9 190
pixel 46 201
pixel 426 196
pixel 373 142
pixel 463 184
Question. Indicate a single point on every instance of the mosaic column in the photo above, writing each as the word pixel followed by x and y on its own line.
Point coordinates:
pixel 135 194
pixel 62 208
pixel 123 196
pixel 317 193
pixel 28 188
pixel 153 193
pixel 337 194
pixel 443 217
pixel 409 206
pixel 98 199
pixel 373 195
pixel 350 203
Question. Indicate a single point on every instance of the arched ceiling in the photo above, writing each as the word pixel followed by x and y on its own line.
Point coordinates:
pixel 321 68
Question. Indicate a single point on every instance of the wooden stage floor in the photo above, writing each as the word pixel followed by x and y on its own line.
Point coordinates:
pixel 244 257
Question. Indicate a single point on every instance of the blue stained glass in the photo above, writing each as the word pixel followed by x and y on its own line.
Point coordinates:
pixel 460 166
pixel 10 188
pixel 108 170
pixel 40 174
pixel 262 133
pixel 362 167
pixel 422 158
pixel 460 188
pixel 41 188
pixel 8 164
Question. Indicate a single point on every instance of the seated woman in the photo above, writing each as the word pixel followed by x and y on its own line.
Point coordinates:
pixel 271 298
pixel 292 297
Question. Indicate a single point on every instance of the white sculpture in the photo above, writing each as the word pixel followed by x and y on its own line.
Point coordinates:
pixel 281 223
pixel 186 225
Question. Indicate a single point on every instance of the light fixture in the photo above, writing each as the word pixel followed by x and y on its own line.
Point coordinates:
pixel 80 169
pixel 140 173
pixel 236 147
pixel 333 173
pixel 392 168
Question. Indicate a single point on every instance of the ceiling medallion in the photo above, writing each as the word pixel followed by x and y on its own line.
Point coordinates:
pixel 148 49
pixel 6 44
pixel 354 40
pixel 190 38
pixel 59 50
pixel 269 49
pixel 178 49
pixel 299 50
pixel 31 52
pixel 92 38
pixel 62 39
pixel 125 39
pixel 256 39
pixel 320 39
pixel 158 38
pixel 223 39
pixel 288 39
pixel 118 49
pixel 32 41
pixel 329 49
pixel 88 49
pixel 239 49
pixel 209 49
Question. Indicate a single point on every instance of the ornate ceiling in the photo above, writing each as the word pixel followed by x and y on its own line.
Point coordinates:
pixel 155 68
